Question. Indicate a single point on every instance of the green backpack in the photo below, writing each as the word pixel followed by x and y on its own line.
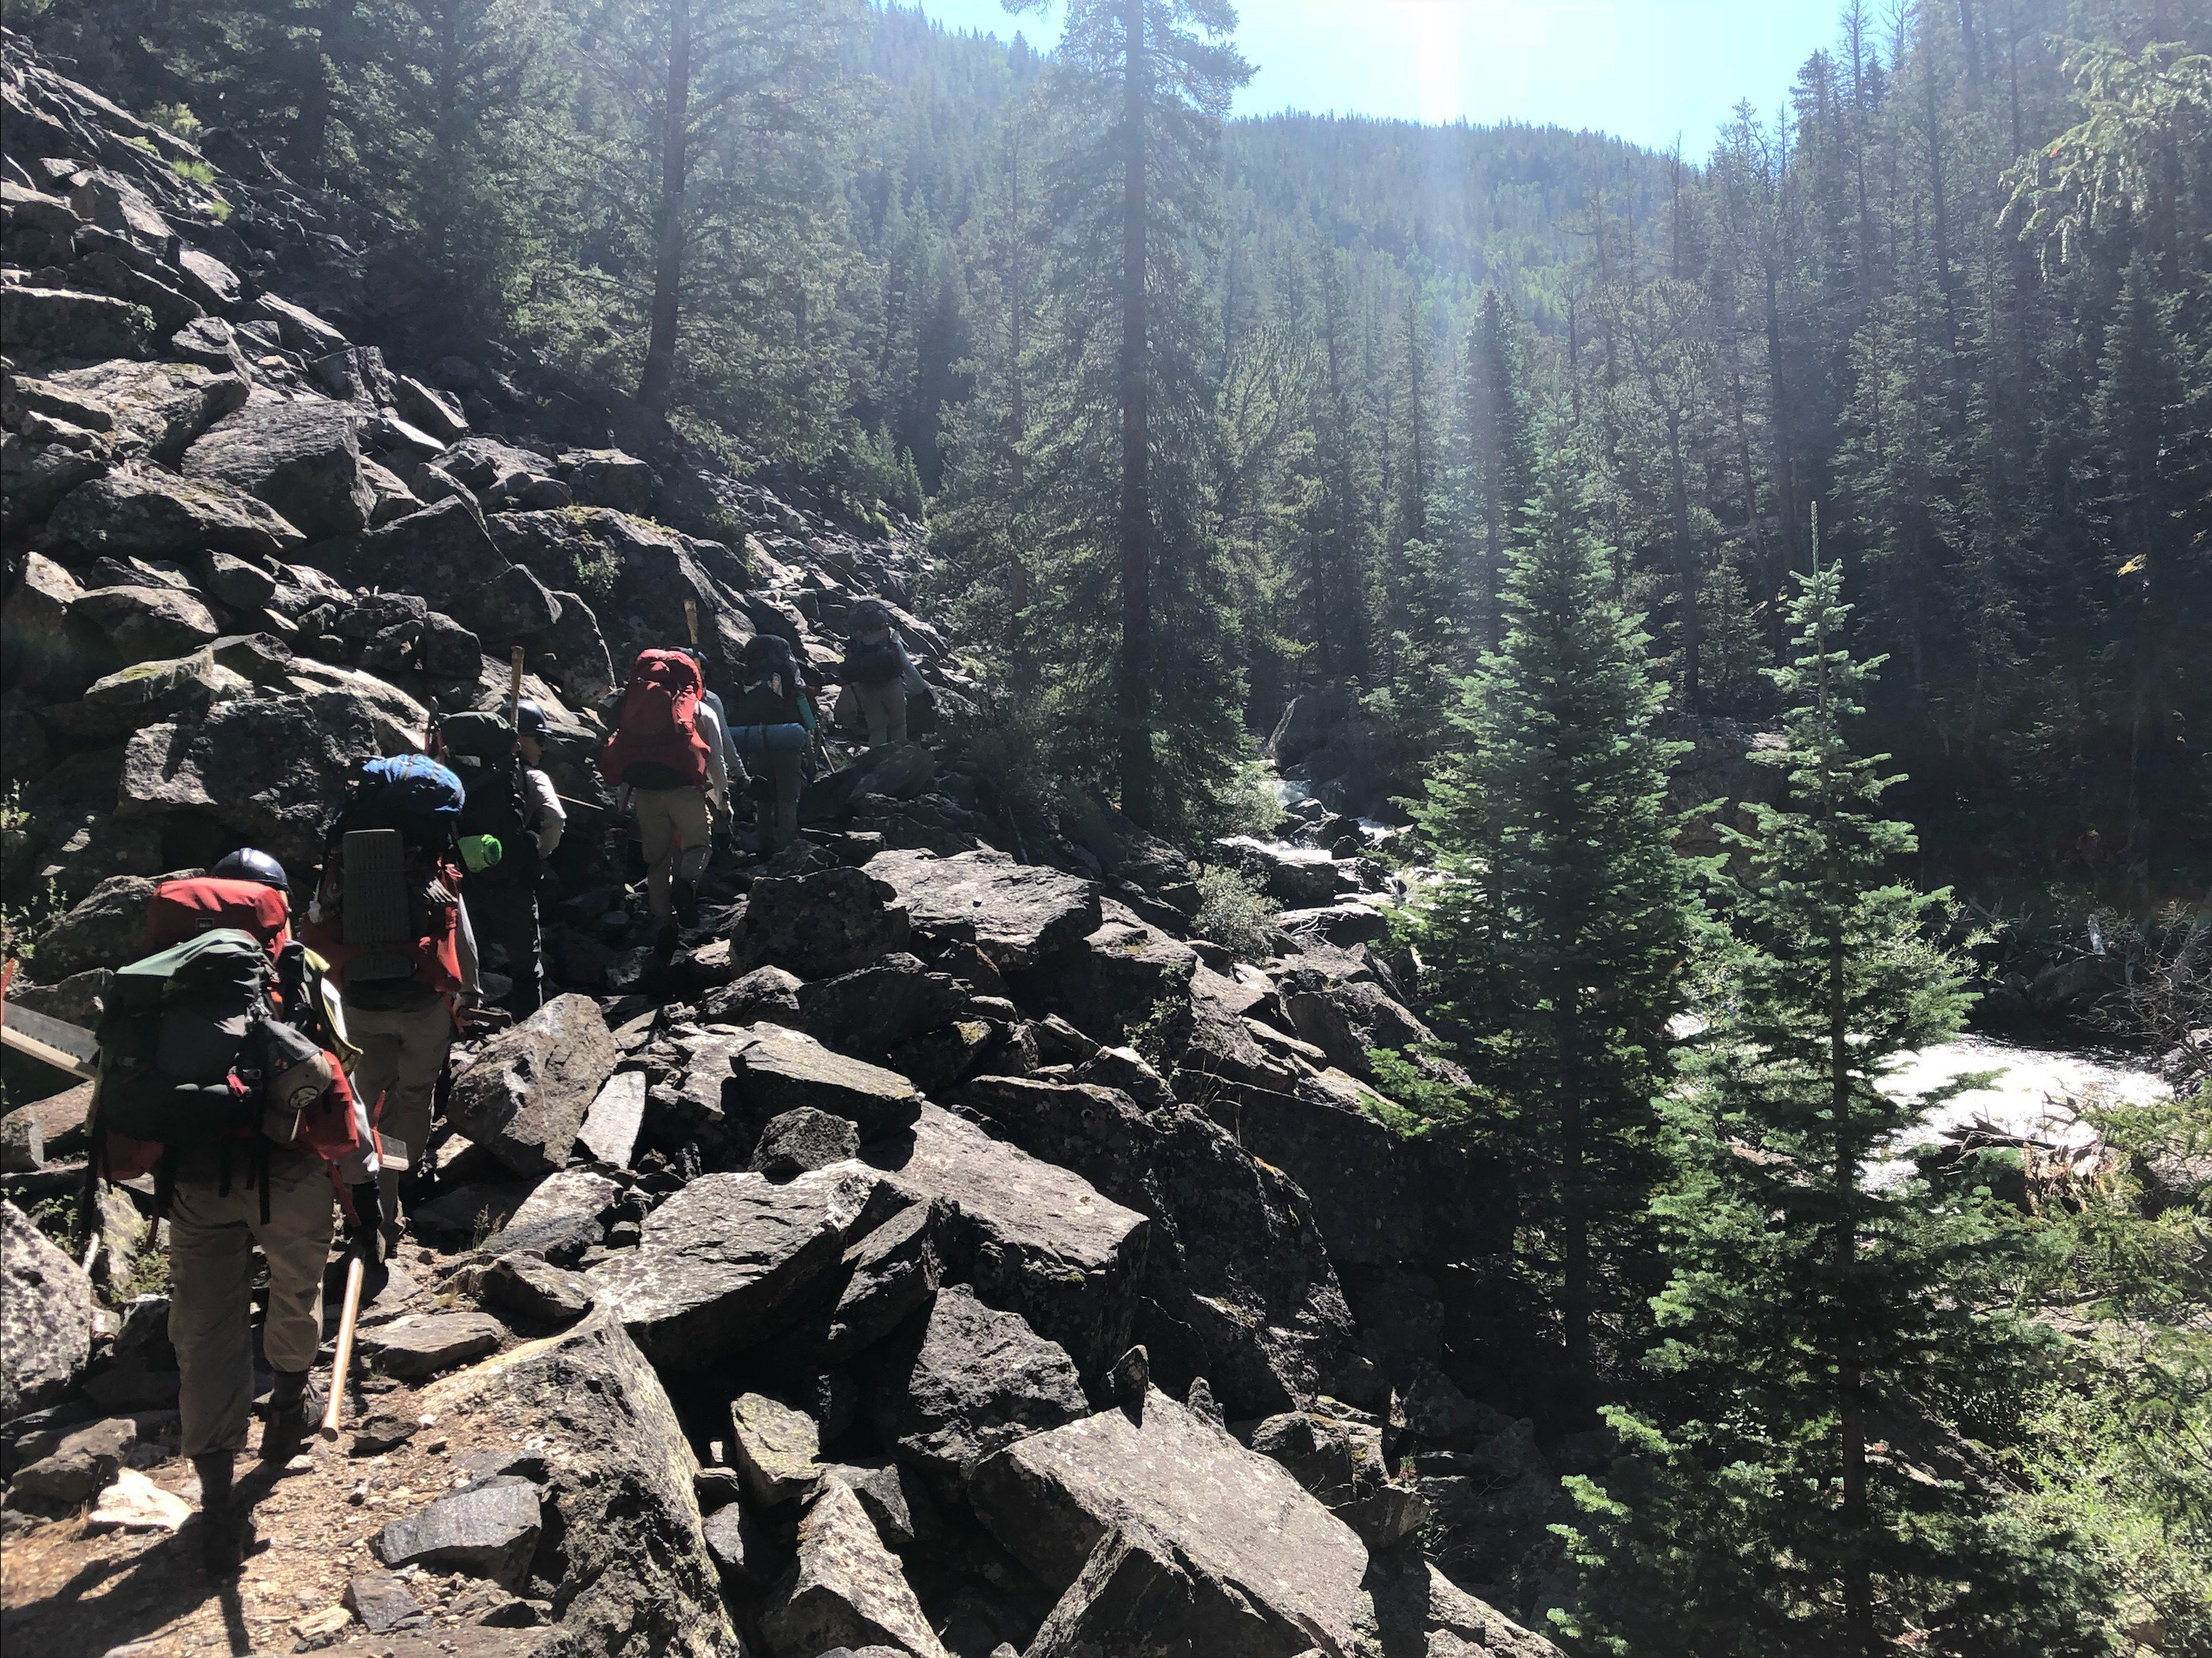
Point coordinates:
pixel 176 1048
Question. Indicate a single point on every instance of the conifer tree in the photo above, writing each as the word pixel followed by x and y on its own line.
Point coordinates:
pixel 1828 1337
pixel 1499 437
pixel 1554 937
pixel 1122 413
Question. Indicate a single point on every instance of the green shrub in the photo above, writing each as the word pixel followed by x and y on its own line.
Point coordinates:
pixel 1233 912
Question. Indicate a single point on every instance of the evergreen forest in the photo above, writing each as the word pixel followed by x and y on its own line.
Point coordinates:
pixel 1867 440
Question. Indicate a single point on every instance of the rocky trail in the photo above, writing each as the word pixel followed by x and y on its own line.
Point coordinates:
pixel 947 1251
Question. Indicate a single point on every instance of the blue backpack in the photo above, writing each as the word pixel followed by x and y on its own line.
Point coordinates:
pixel 409 792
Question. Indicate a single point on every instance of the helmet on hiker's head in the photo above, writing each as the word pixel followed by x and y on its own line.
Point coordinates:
pixel 248 864
pixel 866 617
pixel 530 720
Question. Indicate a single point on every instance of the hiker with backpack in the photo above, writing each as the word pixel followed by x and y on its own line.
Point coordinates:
pixel 248 890
pixel 511 820
pixel 666 754
pixel 250 1130
pixel 773 728
pixel 878 673
pixel 390 917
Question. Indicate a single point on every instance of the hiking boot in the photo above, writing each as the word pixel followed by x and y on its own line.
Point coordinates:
pixel 663 942
pixel 225 1525
pixel 295 1405
pixel 687 903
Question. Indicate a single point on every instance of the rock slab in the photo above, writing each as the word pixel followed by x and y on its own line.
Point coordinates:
pixel 731 1260
pixel 46 1316
pixel 1245 1533
pixel 845 1588
pixel 489 1529
pixel 524 1096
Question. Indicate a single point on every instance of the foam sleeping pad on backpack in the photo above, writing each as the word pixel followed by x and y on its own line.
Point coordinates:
pixel 769 739
pixel 376 905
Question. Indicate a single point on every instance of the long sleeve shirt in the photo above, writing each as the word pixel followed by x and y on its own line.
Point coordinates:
pixel 710 726
pixel 548 817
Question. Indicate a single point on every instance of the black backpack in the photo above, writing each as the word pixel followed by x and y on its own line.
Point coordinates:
pixel 865 664
pixel 769 695
pixel 495 794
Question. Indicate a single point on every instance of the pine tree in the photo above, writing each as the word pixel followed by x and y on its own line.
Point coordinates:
pixel 1554 936
pixel 1499 437
pixel 1122 412
pixel 1801 1488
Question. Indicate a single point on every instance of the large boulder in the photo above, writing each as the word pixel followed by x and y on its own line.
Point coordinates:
pixel 1422 1613
pixel 645 571
pixel 821 925
pixel 145 693
pixel 146 621
pixel 1378 1199
pixel 34 476
pixel 1272 1573
pixel 888 1274
pixel 1122 976
pixel 875 1008
pixel 524 1095
pixel 732 1260
pixel 43 652
pixel 1032 1238
pixel 441 553
pixel 140 408
pixel 265 767
pixel 1298 876
pixel 144 510
pixel 845 1590
pixel 65 322
pixel 969 1381
pixel 1239 1287
pixel 100 930
pixel 302 457
pixel 780 1069
pixel 776 1449
pixel 46 1316
pixel 584 1416
pixel 1015 914
pixel 1339 1458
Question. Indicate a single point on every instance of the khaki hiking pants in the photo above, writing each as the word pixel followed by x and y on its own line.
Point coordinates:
pixel 211 1238
pixel 403 1050
pixel 675 833
pixel 884 708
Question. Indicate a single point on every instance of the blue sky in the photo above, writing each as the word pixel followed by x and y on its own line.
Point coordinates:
pixel 1643 69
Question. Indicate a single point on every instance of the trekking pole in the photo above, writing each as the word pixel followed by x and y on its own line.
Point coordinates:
pixel 342 1363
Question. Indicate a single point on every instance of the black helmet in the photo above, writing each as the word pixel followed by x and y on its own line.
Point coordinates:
pixel 248 864
pixel 530 720
pixel 866 616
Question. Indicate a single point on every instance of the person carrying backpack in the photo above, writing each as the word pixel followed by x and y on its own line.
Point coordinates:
pixel 666 754
pixel 773 725
pixel 511 820
pixel 390 919
pixel 879 672
pixel 250 1129
pixel 248 890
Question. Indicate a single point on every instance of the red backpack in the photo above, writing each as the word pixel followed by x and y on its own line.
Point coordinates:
pixel 657 745
pixel 185 908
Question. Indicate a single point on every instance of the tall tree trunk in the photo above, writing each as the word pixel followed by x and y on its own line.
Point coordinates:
pixel 1017 573
pixel 659 380
pixel 305 142
pixel 1858 1583
pixel 1134 694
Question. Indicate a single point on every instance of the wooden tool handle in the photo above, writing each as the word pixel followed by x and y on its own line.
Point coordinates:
pixel 343 1364
pixel 691 620
pixel 514 688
